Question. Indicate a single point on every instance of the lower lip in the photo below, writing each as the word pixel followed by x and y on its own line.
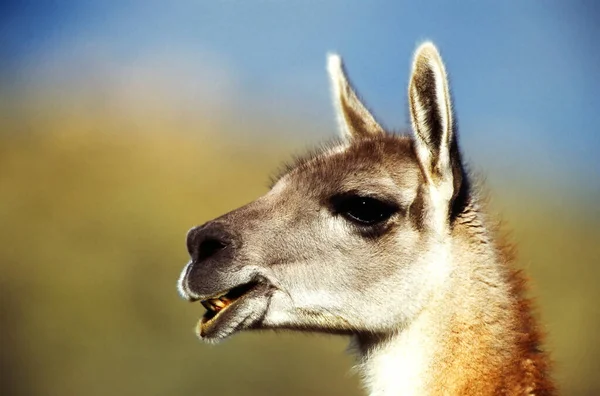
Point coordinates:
pixel 206 320
pixel 205 323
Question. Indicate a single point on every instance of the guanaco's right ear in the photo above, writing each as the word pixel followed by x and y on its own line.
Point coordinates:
pixel 433 121
pixel 354 120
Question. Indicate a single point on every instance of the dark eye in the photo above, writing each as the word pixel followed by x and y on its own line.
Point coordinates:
pixel 363 210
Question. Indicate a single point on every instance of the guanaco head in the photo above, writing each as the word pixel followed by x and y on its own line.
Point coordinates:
pixel 351 239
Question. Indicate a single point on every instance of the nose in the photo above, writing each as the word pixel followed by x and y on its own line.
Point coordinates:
pixel 204 242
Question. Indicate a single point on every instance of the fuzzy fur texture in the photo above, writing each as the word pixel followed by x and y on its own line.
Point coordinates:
pixel 383 238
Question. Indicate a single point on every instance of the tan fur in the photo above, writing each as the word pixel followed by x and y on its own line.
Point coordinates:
pixel 382 238
pixel 493 346
pixel 487 341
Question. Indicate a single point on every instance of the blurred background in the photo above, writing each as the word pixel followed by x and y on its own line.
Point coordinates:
pixel 125 123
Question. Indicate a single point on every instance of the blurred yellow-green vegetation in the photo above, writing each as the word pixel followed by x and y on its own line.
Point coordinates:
pixel 94 207
pixel 123 124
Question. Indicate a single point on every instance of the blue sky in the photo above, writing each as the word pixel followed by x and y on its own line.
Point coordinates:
pixel 525 75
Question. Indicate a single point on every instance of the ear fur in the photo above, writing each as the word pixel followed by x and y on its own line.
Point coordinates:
pixel 354 120
pixel 433 121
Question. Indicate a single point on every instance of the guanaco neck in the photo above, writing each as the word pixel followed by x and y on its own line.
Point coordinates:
pixel 475 337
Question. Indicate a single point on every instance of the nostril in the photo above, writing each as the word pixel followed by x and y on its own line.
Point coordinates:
pixel 209 247
pixel 208 240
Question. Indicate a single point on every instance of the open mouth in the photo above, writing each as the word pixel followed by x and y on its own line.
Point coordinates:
pixel 218 304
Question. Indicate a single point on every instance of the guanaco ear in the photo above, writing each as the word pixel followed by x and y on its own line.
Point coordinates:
pixel 354 120
pixel 433 121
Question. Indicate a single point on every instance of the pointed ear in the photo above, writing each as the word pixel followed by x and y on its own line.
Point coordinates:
pixel 354 120
pixel 433 121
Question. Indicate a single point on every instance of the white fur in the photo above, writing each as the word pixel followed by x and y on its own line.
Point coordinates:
pixel 338 81
pixel 398 366
pixel 344 99
pixel 440 191
pixel 427 53
pixel 182 287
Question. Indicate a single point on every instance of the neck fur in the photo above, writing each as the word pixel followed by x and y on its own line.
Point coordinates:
pixel 397 364
pixel 476 336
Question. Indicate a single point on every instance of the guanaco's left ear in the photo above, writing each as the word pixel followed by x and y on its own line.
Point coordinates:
pixel 354 120
pixel 433 121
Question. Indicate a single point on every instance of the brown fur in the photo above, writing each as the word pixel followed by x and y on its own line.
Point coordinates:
pixel 472 363
pixel 531 365
pixel 381 237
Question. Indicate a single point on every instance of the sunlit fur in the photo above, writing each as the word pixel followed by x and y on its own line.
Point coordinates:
pixel 428 296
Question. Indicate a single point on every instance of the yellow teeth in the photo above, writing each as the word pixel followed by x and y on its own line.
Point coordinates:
pixel 216 304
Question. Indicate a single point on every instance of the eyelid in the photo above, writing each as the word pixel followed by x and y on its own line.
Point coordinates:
pixel 342 205
pixel 337 199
